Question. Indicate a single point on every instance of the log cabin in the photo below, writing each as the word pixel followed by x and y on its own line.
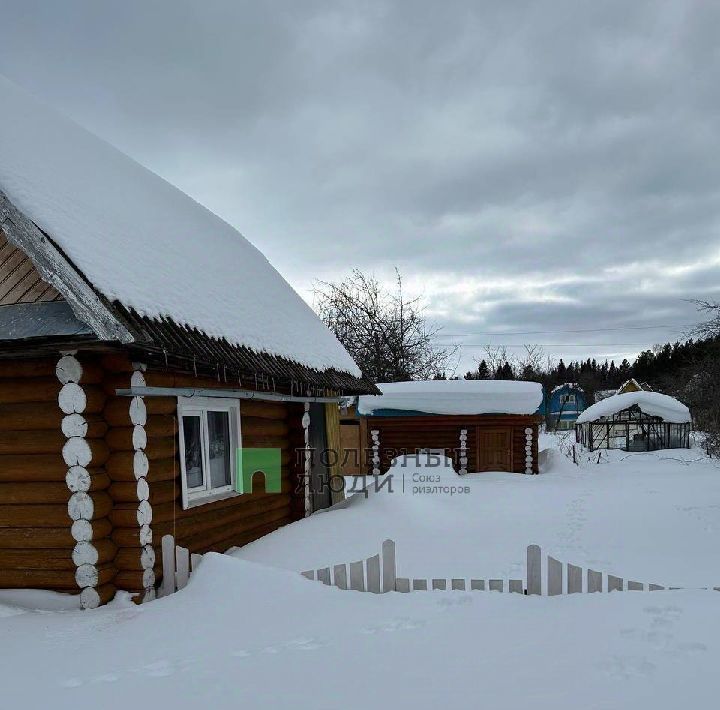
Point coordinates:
pixel 483 425
pixel 143 342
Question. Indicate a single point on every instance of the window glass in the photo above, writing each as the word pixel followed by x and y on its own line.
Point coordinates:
pixel 193 452
pixel 219 448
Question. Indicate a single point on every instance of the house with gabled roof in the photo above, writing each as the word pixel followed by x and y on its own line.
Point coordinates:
pixel 144 344
pixel 562 405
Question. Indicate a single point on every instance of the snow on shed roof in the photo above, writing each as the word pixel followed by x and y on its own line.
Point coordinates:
pixel 455 397
pixel 141 241
pixel 653 404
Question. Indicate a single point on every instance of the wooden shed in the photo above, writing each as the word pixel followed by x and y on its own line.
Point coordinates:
pixel 483 425
pixel 143 344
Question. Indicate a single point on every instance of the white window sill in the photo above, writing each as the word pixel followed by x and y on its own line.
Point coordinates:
pixel 210 498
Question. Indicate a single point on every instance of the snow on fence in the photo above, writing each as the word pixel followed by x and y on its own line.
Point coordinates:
pixel 378 574
pixel 177 563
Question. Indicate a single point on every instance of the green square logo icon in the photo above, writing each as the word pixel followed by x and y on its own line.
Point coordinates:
pixel 266 462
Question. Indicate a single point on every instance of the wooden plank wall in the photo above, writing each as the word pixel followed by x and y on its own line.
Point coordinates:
pixel 20 281
pixel 36 543
pixel 407 434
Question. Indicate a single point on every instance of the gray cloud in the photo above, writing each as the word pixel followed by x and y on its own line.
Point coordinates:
pixel 527 166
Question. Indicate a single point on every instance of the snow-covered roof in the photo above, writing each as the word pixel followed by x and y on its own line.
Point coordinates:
pixel 653 404
pixel 568 385
pixel 142 242
pixel 455 397
pixel 633 384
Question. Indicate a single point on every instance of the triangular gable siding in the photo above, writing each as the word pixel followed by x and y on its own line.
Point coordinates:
pixel 20 281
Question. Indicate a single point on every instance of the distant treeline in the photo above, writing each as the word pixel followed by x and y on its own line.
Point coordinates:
pixel 660 367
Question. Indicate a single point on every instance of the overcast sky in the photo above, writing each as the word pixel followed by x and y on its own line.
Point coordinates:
pixel 547 172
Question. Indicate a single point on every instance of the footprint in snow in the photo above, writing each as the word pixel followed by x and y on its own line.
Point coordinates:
pixel 654 638
pixel 683 648
pixel 402 624
pixel 305 644
pixel 663 615
pixel 626 667
pixel 159 669
pixel 106 678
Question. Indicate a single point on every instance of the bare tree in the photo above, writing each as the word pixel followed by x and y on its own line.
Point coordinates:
pixel 385 332
pixel 528 366
pixel 711 327
pixel 699 384
pixel 496 357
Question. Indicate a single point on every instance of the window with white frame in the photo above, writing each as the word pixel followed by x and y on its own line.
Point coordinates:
pixel 209 439
pixel 567 399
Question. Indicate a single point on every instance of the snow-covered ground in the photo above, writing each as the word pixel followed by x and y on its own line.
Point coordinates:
pixel 651 517
pixel 249 632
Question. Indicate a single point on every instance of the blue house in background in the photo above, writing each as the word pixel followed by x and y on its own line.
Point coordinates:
pixel 562 405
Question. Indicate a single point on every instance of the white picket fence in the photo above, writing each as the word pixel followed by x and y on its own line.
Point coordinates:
pixel 177 564
pixel 378 574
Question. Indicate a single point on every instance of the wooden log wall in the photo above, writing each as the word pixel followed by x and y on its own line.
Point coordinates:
pixel 214 526
pixel 134 424
pixel 89 481
pixel 525 448
pixel 398 435
pixel 54 505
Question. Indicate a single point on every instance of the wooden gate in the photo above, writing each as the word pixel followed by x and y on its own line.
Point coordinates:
pixel 494 449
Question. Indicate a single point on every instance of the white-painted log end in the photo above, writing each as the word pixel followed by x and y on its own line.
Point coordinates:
pixel 144 514
pixel 84 553
pixel 86 576
pixel 80 507
pixel 141 465
pixel 78 479
pixel 81 530
pixel 77 452
pixel 137 411
pixel 89 598
pixel 146 536
pixel 74 425
pixel 139 437
pixel 143 489
pixel 72 399
pixel 68 369
pixel 147 557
